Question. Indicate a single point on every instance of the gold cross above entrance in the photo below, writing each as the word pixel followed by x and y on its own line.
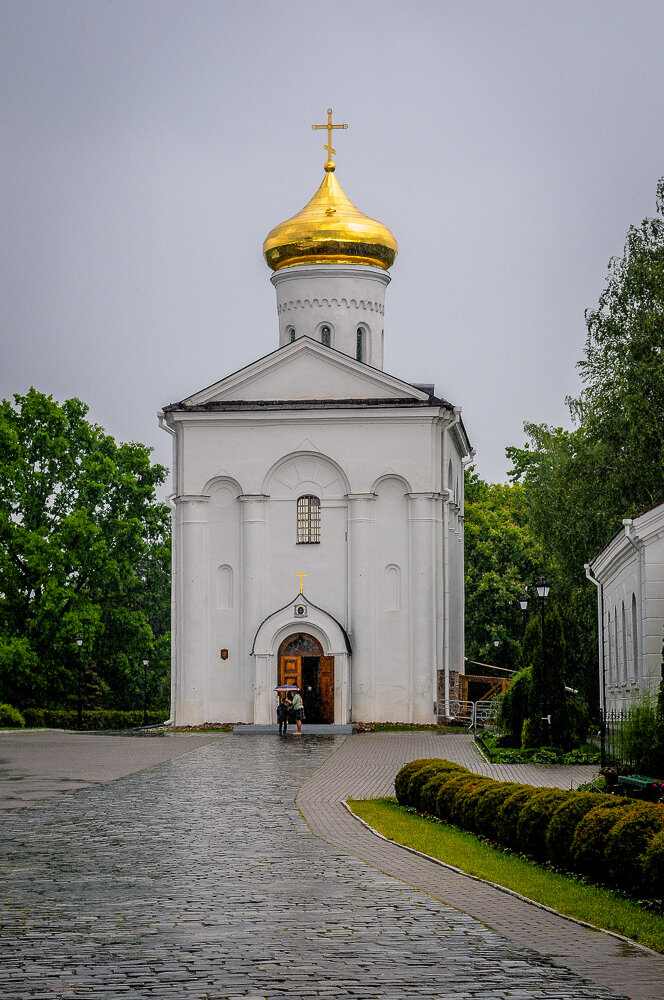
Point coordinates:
pixel 330 151
pixel 301 576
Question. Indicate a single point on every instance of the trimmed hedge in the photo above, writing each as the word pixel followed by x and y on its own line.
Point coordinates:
pixel 592 834
pixel 58 718
pixel 534 820
pixel 653 867
pixel 560 831
pixel 628 842
pixel 613 840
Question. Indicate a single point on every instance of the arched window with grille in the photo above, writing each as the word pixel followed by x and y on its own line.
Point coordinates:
pixel 635 640
pixel 326 336
pixel 360 348
pixel 308 520
pixel 291 334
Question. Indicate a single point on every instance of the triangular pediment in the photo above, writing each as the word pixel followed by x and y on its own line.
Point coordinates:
pixel 305 370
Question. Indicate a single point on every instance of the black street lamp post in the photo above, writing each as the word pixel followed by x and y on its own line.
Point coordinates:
pixel 145 690
pixel 79 692
pixel 523 604
pixel 543 587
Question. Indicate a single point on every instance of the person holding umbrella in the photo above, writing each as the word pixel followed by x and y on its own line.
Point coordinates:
pixel 282 713
pixel 284 705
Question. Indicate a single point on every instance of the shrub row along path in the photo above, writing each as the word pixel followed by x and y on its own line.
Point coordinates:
pixel 197 877
pixel 365 767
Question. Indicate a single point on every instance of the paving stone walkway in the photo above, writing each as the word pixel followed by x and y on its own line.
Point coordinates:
pixel 364 767
pixel 198 878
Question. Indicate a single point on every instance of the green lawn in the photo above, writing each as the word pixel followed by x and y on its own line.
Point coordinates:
pixel 600 907
pixel 399 727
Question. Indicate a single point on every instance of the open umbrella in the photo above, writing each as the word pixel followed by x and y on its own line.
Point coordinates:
pixel 286 687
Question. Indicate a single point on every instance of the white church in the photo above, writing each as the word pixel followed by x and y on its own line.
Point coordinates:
pixel 318 503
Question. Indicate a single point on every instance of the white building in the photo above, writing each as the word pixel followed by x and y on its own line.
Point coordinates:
pixel 314 461
pixel 629 575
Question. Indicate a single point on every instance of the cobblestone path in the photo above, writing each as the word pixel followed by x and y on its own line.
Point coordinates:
pixel 198 878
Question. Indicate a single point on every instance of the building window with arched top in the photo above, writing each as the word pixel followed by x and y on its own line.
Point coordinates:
pixel 291 334
pixel 360 349
pixel 308 520
pixel 325 336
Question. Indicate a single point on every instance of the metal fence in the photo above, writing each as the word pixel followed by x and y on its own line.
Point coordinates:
pixel 629 740
pixel 470 713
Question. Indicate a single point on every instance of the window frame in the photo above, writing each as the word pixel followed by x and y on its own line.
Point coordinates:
pixel 308 521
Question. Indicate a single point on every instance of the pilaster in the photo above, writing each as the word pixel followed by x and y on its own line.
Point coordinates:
pixel 191 683
pixel 252 609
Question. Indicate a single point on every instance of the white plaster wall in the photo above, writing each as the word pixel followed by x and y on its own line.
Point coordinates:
pixel 342 297
pixel 378 475
pixel 624 573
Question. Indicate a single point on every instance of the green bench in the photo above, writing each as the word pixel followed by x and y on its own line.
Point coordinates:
pixel 630 784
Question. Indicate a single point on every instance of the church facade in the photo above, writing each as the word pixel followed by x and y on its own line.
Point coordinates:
pixel 318 504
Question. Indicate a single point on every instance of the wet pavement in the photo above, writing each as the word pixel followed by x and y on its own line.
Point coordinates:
pixel 199 878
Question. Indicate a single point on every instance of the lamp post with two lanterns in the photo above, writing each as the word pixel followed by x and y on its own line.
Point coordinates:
pixel 543 587
pixel 79 689
pixel 145 690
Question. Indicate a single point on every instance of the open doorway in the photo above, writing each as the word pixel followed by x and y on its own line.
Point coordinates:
pixel 301 662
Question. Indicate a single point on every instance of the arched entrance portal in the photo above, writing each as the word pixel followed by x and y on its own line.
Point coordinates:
pixel 301 662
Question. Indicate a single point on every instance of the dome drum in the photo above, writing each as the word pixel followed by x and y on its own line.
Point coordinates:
pixel 341 297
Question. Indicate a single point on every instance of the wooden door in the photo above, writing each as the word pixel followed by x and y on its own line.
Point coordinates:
pixel 326 676
pixel 290 670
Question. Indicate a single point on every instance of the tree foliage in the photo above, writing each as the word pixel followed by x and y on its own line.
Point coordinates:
pixel 502 556
pixel 580 484
pixel 83 551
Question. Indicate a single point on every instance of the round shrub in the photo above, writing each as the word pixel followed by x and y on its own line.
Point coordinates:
pixel 628 842
pixel 488 805
pixel 560 831
pixel 591 836
pixel 508 814
pixel 447 793
pixel 405 774
pixel 468 801
pixel 429 793
pixel 534 819
pixel 422 777
pixel 11 718
pixel 652 868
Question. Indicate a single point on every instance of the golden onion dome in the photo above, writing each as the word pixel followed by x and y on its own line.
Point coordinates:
pixel 330 230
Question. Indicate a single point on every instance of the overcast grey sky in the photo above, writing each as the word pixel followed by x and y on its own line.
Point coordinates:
pixel 150 145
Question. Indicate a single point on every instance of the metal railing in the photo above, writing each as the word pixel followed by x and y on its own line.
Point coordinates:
pixel 470 713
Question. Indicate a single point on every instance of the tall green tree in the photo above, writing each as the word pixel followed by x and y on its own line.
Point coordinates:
pixel 82 539
pixel 580 484
pixel 502 556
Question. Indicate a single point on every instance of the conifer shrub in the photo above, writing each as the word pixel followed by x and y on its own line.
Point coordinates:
pixel 490 801
pixel 11 718
pixel 591 836
pixel 508 814
pixel 534 819
pixel 652 870
pixel 628 842
pixel 560 831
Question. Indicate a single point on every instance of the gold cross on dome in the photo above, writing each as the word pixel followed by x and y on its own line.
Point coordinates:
pixel 301 576
pixel 330 151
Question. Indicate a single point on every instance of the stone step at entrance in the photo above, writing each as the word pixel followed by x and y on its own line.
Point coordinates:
pixel 307 730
